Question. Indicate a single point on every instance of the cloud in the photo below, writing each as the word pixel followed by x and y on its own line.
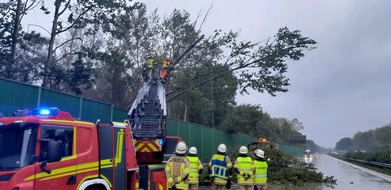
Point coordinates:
pixel 342 87
pixel 336 90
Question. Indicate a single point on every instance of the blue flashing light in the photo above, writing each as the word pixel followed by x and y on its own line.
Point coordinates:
pixel 44 112
pixel 160 142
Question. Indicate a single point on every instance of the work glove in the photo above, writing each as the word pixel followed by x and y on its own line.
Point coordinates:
pixel 246 176
pixel 228 185
pixel 178 179
pixel 171 182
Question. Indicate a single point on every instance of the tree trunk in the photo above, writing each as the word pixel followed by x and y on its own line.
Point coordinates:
pixel 45 82
pixel 16 30
pixel 185 113
pixel 138 52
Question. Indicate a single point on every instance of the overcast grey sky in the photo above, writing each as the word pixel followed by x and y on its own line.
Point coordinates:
pixel 336 90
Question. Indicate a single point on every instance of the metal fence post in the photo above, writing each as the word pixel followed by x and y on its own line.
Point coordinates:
pixel 39 97
pixel 111 114
pixel 212 139
pixel 177 126
pixel 189 134
pixel 202 141
pixel 80 107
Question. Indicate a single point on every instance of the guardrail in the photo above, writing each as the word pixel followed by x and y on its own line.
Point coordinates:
pixel 379 164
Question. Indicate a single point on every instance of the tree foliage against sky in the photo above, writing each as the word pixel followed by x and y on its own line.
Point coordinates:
pixel 372 140
pixel 344 144
pixel 97 48
pixel 262 66
pixel 252 120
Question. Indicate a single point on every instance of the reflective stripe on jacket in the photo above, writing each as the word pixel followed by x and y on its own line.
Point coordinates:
pixel 178 169
pixel 244 165
pixel 165 64
pixel 260 176
pixel 219 168
pixel 195 166
pixel 149 63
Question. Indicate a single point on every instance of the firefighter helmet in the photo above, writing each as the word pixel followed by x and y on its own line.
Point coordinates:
pixel 181 148
pixel 243 150
pixel 260 153
pixel 193 150
pixel 222 148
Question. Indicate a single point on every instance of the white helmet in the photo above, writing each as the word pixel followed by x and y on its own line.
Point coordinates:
pixel 181 148
pixel 222 148
pixel 260 153
pixel 193 150
pixel 243 150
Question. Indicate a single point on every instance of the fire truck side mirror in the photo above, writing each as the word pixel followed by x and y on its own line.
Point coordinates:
pixel 54 153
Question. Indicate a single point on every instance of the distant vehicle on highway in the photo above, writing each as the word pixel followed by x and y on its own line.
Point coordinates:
pixel 308 156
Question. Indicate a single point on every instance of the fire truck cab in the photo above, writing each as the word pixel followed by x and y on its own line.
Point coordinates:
pixel 47 149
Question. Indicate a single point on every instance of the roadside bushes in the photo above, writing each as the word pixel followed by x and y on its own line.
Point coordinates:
pixel 285 168
pixel 383 157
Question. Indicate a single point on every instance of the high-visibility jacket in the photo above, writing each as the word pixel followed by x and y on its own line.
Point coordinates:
pixel 165 63
pixel 220 164
pixel 164 69
pixel 177 171
pixel 244 165
pixel 195 166
pixel 260 176
pixel 149 63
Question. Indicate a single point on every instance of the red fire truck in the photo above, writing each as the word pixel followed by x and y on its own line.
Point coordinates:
pixel 47 149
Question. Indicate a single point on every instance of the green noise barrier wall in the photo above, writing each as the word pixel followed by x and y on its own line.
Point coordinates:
pixel 16 95
pixel 205 139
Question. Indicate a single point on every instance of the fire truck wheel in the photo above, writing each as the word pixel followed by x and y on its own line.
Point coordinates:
pixel 95 184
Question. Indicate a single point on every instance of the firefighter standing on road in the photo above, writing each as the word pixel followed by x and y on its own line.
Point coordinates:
pixel 178 168
pixel 244 167
pixel 195 168
pixel 260 176
pixel 220 167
